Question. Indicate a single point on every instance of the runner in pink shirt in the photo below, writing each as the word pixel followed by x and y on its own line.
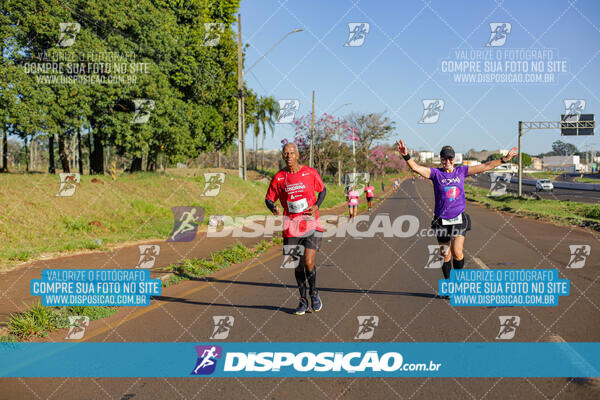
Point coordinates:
pixel 353 196
pixel 369 190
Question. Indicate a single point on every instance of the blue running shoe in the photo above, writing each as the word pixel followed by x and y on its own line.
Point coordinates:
pixel 317 304
pixel 302 307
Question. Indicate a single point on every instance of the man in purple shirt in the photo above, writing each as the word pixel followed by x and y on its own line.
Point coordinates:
pixel 450 221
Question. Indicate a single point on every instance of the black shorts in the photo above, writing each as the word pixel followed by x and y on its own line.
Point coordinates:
pixel 445 232
pixel 369 198
pixel 312 240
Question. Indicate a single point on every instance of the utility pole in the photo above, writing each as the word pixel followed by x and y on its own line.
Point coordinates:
pixel 241 122
pixel 520 159
pixel 354 156
pixel 339 155
pixel 340 146
pixel 312 132
pixel 539 125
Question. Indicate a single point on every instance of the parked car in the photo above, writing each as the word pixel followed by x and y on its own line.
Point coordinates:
pixel 544 184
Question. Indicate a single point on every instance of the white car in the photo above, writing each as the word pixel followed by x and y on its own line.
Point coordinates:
pixel 544 184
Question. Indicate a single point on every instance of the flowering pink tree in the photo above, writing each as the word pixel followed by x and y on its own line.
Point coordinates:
pixel 385 157
pixel 326 148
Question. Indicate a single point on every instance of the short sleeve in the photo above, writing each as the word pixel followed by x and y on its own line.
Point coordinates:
pixel 465 170
pixel 318 182
pixel 433 172
pixel 273 191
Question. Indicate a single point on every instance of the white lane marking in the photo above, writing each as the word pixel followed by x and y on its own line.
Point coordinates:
pixel 578 360
pixel 480 263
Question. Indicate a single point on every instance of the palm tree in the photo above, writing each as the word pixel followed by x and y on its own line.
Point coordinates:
pixel 267 109
pixel 271 107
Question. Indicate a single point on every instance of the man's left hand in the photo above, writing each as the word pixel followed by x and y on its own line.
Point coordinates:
pixel 312 210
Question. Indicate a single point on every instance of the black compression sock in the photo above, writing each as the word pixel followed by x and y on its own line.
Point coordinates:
pixel 458 264
pixel 446 267
pixel 301 280
pixel 312 280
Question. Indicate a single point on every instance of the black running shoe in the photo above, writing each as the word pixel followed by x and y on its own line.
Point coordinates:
pixel 302 307
pixel 316 302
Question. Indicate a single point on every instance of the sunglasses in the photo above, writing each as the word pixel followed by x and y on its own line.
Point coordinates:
pixel 447 158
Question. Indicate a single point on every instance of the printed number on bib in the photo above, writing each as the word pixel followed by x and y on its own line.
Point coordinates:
pixel 295 207
pixel 452 221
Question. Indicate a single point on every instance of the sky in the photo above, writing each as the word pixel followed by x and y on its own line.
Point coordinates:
pixel 408 54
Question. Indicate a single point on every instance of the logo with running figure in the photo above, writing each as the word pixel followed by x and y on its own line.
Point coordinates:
pixel 366 326
pixel 287 110
pixel 68 33
pixel 358 34
pixel 292 254
pixel 508 327
pixel 498 33
pixel 432 109
pixel 499 184
pixel 68 184
pixel 143 107
pixel 436 255
pixel 579 253
pixel 148 255
pixel 223 324
pixel 186 223
pixel 573 109
pixel 77 326
pixel 207 359
pixel 452 192
pixel 358 180
pixel 212 183
pixel 212 33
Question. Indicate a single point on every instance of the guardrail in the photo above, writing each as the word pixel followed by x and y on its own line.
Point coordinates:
pixel 562 185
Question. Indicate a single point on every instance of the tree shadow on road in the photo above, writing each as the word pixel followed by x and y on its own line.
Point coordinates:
pixel 205 303
pixel 283 286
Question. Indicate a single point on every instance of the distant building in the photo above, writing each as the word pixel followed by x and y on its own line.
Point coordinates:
pixel 425 156
pixel 562 163
pixel 483 155
pixel 536 163
pixel 471 163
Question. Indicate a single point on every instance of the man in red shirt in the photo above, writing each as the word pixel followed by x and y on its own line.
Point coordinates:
pixel 295 186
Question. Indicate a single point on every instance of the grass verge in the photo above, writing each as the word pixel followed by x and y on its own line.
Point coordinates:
pixel 194 268
pixel 561 212
pixel 104 211
pixel 587 180
pixel 552 175
pixel 40 320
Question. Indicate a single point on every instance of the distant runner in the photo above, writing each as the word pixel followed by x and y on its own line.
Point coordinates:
pixel 353 196
pixel 450 220
pixel 295 186
pixel 369 190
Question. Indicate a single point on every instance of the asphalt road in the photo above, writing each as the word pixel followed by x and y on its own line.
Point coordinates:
pixel 584 196
pixel 384 277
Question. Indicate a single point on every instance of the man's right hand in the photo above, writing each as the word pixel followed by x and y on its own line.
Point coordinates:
pixel 277 211
pixel 402 148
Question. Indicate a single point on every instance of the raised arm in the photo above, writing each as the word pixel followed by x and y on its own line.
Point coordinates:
pixel 477 169
pixel 425 172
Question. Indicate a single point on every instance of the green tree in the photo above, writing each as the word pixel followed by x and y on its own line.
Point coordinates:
pixel 560 148
pixel 267 109
pixel 193 85
pixel 369 128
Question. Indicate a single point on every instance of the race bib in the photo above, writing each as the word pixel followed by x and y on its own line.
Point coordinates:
pixel 296 207
pixel 353 202
pixel 452 221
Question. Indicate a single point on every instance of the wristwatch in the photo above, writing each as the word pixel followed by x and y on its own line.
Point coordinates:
pixel 502 160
